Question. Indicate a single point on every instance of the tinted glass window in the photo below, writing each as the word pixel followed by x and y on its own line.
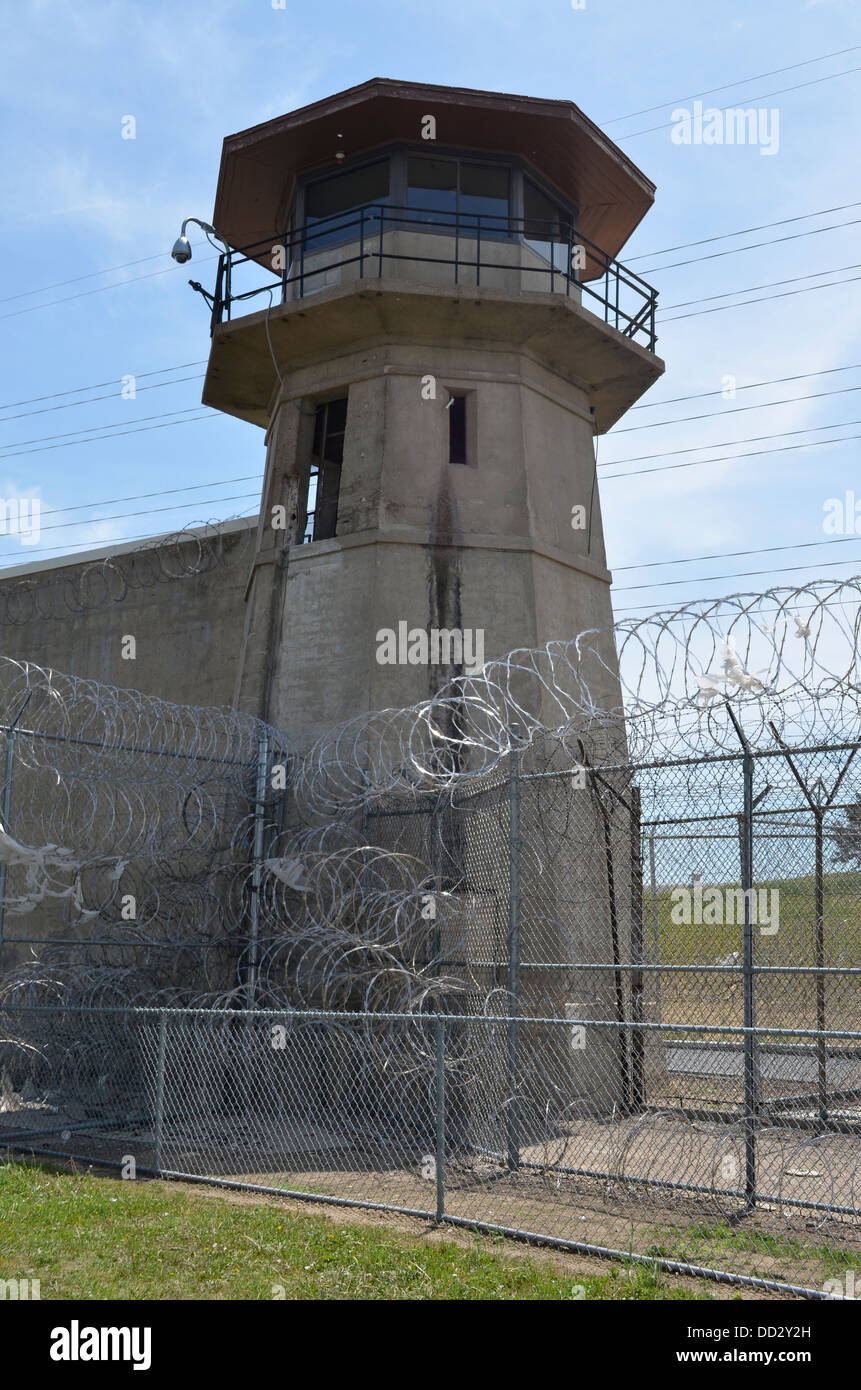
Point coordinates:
pixel 441 188
pixel 432 187
pixel 547 226
pixel 331 205
pixel 484 192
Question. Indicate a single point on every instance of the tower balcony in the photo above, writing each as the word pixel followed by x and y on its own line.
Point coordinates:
pixel 422 245
pixel 384 271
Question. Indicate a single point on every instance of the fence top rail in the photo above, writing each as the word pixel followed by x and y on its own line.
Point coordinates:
pixel 340 1016
pixel 427 800
pixel 632 768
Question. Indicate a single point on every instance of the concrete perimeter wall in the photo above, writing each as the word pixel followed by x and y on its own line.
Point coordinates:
pixel 181 598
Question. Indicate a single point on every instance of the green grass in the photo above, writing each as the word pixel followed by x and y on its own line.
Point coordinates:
pixel 779 1257
pixel 783 1001
pixel 694 943
pixel 89 1237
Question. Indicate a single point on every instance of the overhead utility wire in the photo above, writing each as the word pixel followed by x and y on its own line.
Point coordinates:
pixel 760 96
pixel 740 82
pixel 729 458
pixel 110 396
pixel 150 511
pixel 735 554
pixel 728 443
pixel 750 386
pixel 742 231
pixel 97 385
pixel 735 410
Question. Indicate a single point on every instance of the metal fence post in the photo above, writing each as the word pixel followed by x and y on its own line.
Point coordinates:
pixel 751 1086
pixel 436 855
pixel 637 1035
pixel 7 799
pixel 818 807
pixel 257 870
pixel 159 1091
pixel 752 1083
pixel 513 1111
pixel 440 1102
pixel 656 947
pixel 821 1047
pixel 612 905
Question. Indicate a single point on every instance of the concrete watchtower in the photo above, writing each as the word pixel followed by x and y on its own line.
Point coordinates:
pixel 424 313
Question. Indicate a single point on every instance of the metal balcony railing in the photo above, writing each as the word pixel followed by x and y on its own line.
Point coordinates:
pixel 475 248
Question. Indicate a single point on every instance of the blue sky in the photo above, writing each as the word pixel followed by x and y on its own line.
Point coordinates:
pixel 79 200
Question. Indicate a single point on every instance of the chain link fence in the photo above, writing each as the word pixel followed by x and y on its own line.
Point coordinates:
pixel 639 1034
pixel 556 974
pixel 462 1119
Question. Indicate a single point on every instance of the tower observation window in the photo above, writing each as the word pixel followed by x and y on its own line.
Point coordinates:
pixel 457 440
pixel 547 227
pixel 324 480
pixel 332 205
pixel 443 190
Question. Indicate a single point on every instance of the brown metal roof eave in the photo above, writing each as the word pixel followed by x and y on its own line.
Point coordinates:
pixel 240 145
pixel 452 96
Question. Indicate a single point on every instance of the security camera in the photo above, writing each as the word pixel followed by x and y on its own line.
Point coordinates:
pixel 182 247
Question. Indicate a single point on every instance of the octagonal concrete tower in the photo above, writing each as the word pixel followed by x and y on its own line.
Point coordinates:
pixel 423 310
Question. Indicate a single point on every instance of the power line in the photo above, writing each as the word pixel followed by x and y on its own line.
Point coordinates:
pixel 736 410
pixel 742 231
pixel 727 443
pixel 75 443
pixel 151 511
pixel 97 385
pixel 91 400
pixel 751 246
pixel 751 386
pixel 765 299
pixel 734 554
pixel 84 294
pixel 728 458
pixel 163 492
pixel 740 574
pixel 112 425
pixel 767 285
pixel 742 81
pixel 98 545
pixel 108 270
pixel 760 96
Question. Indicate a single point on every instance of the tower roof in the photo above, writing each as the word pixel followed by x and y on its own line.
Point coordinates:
pixel 259 165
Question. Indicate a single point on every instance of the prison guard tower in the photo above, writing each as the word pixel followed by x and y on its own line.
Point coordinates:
pixel 424 313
